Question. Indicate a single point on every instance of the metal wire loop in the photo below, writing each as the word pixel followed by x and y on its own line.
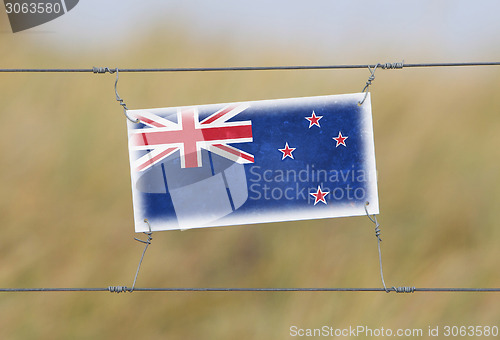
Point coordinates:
pixel 102 70
pixel 377 234
pixel 374 220
pixel 121 289
pixel 368 83
pixel 147 243
pixel 385 66
pixel 148 233
pixel 120 100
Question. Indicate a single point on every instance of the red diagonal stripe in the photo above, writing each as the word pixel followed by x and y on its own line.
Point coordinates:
pixel 149 121
pixel 235 152
pixel 220 114
pixel 154 159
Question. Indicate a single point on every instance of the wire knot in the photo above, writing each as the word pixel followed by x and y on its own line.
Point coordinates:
pixel 392 66
pixel 118 289
pixel 402 289
pixel 368 82
pixel 374 221
pixel 378 232
pixel 120 101
pixel 148 241
pixel 103 70
pixel 370 79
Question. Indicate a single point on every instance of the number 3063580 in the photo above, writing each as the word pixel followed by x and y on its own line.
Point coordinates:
pixel 32 8
pixel 456 331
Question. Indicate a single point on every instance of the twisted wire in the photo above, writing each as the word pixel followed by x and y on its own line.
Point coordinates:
pixel 368 83
pixel 118 98
pixel 117 289
pixel 102 70
pixel 404 289
pixel 147 242
pixel 392 66
pixel 379 239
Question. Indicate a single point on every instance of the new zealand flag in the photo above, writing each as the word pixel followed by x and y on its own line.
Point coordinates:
pixel 252 162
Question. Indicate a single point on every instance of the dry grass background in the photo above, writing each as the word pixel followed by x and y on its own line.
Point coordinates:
pixel 66 211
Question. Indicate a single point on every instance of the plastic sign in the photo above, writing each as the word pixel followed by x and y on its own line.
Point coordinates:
pixel 252 162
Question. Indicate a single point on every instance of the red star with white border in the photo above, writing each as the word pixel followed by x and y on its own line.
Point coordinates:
pixel 319 195
pixel 287 151
pixel 340 139
pixel 314 120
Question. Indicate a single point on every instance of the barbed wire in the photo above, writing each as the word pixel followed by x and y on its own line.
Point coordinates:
pixel 397 65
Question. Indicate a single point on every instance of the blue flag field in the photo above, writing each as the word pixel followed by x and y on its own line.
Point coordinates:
pixel 252 162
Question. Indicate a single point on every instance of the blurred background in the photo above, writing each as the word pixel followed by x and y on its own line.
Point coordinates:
pixel 65 197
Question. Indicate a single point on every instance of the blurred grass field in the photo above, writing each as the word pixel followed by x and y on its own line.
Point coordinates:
pixel 66 209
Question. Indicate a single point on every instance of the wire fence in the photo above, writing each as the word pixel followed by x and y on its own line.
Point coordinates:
pixel 371 67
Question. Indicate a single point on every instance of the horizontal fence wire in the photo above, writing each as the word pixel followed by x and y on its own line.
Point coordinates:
pixel 121 289
pixel 398 65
